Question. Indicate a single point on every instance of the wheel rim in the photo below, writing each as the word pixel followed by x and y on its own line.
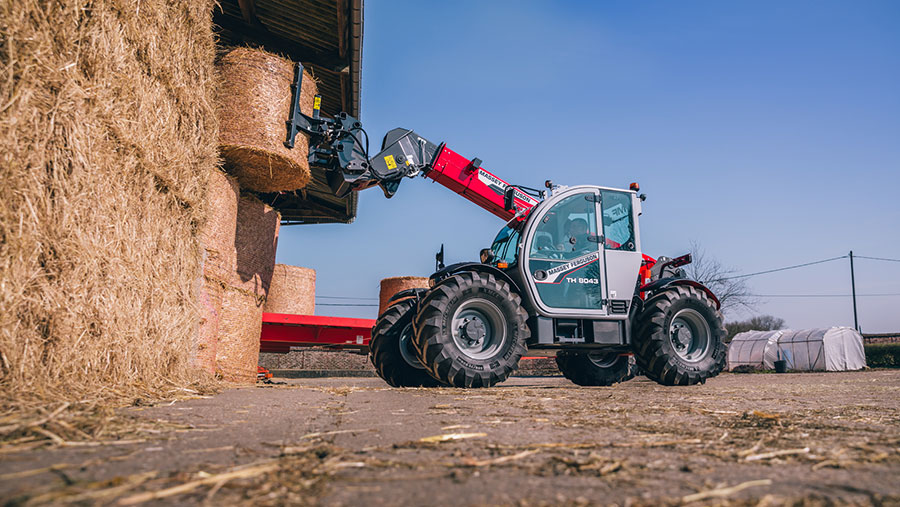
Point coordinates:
pixel 478 328
pixel 407 348
pixel 689 335
pixel 603 359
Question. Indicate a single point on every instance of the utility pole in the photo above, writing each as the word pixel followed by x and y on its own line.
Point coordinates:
pixel 853 288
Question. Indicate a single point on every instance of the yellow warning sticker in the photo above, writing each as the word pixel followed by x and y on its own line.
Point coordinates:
pixel 389 160
pixel 317 104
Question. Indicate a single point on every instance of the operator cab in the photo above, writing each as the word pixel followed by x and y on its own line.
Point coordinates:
pixel 576 256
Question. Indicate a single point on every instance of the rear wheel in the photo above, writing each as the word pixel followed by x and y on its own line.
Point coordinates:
pixel 391 349
pixel 471 330
pixel 594 368
pixel 680 337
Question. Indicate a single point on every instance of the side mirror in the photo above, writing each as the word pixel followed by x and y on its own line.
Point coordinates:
pixel 486 255
pixel 508 203
pixel 439 259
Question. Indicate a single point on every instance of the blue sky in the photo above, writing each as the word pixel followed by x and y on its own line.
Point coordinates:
pixel 768 132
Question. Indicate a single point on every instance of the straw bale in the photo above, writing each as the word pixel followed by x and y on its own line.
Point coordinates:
pixel 240 321
pixel 391 286
pixel 240 325
pixel 107 133
pixel 209 300
pixel 256 240
pixel 218 232
pixel 253 103
pixel 293 290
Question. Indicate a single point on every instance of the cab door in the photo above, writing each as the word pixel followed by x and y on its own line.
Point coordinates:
pixel 564 262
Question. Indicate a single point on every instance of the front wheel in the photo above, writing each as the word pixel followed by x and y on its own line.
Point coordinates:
pixel 392 351
pixel 471 330
pixel 679 338
pixel 594 368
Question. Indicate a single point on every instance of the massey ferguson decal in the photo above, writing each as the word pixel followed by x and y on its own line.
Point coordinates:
pixel 499 186
pixel 556 274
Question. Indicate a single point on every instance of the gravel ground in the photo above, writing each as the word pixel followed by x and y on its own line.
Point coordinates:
pixel 815 438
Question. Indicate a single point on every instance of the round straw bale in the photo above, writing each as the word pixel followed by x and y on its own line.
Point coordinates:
pixel 210 299
pixel 293 290
pixel 240 324
pixel 256 240
pixel 218 232
pixel 253 103
pixel 391 286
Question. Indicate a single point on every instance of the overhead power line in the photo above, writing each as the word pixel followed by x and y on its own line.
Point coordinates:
pixel 781 269
pixel 822 295
pixel 876 258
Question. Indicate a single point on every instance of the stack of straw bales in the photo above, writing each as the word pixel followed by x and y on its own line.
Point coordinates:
pixel 254 100
pixel 391 286
pixel 107 137
pixel 293 290
pixel 246 289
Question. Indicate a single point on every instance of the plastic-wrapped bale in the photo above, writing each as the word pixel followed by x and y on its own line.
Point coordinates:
pixel 391 286
pixel 293 290
pixel 253 103
pixel 240 323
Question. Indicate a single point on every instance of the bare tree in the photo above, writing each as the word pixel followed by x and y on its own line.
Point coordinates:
pixel 732 292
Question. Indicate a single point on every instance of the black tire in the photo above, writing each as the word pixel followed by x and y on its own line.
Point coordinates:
pixel 398 366
pixel 595 368
pixel 471 356
pixel 659 342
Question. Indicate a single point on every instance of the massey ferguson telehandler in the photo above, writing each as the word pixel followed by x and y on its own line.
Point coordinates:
pixel 565 276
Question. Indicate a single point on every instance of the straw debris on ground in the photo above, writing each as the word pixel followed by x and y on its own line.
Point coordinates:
pixel 636 443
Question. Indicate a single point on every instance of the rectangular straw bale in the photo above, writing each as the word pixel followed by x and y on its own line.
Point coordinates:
pixel 107 131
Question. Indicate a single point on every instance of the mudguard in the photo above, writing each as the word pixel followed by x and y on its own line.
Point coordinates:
pixel 403 294
pixel 477 267
pixel 664 283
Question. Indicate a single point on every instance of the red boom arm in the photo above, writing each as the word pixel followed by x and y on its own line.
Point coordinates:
pixel 477 184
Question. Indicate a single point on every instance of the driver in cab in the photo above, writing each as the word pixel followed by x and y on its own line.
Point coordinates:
pixel 576 236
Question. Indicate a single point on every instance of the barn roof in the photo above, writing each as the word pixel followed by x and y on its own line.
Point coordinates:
pixel 326 37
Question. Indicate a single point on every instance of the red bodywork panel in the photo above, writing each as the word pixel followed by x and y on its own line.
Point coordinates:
pixel 476 184
pixel 281 331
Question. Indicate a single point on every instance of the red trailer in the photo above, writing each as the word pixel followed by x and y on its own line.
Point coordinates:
pixel 281 331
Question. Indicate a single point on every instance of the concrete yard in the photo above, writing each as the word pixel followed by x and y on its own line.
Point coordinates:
pixel 815 438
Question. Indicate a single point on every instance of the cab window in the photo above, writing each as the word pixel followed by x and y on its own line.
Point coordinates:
pixel 506 245
pixel 565 230
pixel 618 221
